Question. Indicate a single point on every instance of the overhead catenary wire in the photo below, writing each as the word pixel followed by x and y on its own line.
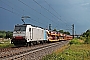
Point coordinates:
pixel 35 10
pixel 48 11
pixel 11 7
pixel 17 6
pixel 44 8
pixel 40 12
pixel 52 7
pixel 10 11
pixel 31 14
pixel 19 14
pixel 55 11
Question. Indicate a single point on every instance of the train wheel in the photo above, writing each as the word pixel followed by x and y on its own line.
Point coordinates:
pixel 27 44
pixel 36 43
pixel 41 42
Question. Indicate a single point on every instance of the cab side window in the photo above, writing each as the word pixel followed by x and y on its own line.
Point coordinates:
pixel 29 29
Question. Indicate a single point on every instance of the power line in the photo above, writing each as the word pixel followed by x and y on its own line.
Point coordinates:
pixel 48 10
pixel 24 10
pixel 53 9
pixel 18 13
pixel 73 30
pixel 44 8
pixel 10 11
pixel 16 6
pixel 10 7
pixel 31 14
pixel 34 10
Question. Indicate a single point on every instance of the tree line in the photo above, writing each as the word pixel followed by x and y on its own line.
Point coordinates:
pixel 6 34
pixel 62 31
pixel 86 36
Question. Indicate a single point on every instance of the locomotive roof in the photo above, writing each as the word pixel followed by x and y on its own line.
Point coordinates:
pixel 29 24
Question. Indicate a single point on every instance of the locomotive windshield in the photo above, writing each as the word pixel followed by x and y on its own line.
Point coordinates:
pixel 20 28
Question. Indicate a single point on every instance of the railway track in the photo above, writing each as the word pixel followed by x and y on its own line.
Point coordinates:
pixel 30 53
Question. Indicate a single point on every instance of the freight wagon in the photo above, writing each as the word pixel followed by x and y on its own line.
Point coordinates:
pixel 57 36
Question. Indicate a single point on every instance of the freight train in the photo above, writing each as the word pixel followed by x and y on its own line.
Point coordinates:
pixel 27 34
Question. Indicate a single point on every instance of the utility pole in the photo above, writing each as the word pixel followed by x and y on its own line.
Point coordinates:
pixel 73 30
pixel 50 27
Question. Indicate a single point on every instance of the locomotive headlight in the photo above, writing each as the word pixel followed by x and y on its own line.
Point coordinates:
pixel 24 37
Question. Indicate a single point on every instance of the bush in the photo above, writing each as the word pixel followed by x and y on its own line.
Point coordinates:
pixel 75 41
pixel 87 41
pixel 82 38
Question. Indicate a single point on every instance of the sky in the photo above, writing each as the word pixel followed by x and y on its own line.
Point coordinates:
pixel 61 14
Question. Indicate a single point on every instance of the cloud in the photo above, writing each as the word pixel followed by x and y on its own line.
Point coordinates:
pixel 85 4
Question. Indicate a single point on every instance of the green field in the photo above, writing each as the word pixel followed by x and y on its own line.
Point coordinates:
pixel 76 51
pixel 5 43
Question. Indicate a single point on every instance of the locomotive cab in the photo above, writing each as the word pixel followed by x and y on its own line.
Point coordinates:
pixel 20 36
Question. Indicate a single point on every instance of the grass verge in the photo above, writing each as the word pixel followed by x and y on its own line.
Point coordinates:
pixel 75 51
pixel 5 44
